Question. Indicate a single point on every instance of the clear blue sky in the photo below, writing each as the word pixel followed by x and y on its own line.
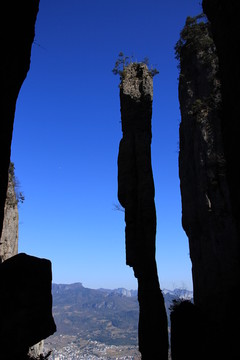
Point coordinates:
pixel 67 131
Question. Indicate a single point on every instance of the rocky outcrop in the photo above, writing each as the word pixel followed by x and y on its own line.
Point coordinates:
pixel 36 351
pixel 186 331
pixel 9 241
pixel 207 212
pixel 9 238
pixel 25 304
pixel 136 195
pixel 17 19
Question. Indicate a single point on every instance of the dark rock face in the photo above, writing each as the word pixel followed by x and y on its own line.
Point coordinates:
pixel 17 19
pixel 225 25
pixel 25 304
pixel 207 211
pixel 186 332
pixel 136 195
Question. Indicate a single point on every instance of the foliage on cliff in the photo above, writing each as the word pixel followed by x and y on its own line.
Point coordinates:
pixel 18 196
pixel 195 28
pixel 196 46
pixel 123 61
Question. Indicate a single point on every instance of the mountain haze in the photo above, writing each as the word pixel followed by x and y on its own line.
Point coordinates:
pixel 104 315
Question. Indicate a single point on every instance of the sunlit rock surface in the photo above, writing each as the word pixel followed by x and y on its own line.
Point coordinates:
pixel 9 237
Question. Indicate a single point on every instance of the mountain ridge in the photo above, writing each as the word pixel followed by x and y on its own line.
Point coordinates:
pixel 181 293
pixel 109 316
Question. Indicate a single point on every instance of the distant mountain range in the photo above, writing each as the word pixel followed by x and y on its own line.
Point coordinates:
pixel 108 316
pixel 178 293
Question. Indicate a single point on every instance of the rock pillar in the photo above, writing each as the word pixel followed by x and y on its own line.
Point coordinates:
pixel 136 195
pixel 207 214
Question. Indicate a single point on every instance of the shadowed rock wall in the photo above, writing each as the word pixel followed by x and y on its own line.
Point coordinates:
pixel 17 24
pixel 136 195
pixel 207 212
pixel 225 26
pixel 25 305
pixel 186 331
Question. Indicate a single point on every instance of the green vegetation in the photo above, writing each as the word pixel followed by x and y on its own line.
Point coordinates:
pixel 196 37
pixel 12 177
pixel 123 61
pixel 196 46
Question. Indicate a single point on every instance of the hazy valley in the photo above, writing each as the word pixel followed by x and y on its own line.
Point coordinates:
pixel 107 317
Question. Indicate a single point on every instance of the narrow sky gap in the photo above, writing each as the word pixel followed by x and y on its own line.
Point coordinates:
pixel 66 135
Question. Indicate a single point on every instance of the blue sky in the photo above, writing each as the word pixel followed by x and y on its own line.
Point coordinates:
pixel 67 131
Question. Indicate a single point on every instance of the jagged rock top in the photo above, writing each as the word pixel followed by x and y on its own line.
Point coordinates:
pixel 137 81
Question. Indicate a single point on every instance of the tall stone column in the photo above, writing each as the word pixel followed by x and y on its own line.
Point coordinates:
pixel 207 212
pixel 136 195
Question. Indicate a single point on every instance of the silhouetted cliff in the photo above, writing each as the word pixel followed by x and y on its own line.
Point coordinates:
pixel 17 19
pixel 136 195
pixel 25 282
pixel 207 210
pixel 225 26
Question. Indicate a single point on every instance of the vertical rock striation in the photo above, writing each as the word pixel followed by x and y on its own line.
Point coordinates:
pixel 207 214
pixel 136 195
pixel 17 29
pixel 9 238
